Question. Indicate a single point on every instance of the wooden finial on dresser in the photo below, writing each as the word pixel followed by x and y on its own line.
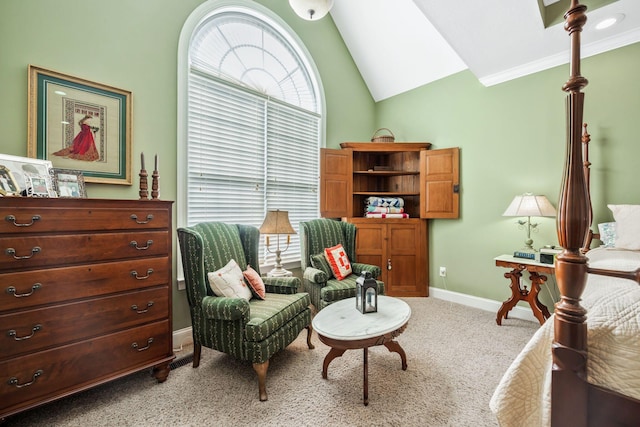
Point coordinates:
pixel 144 193
pixel 155 192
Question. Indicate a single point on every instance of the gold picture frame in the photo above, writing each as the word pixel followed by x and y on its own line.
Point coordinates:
pixel 80 125
pixel 8 184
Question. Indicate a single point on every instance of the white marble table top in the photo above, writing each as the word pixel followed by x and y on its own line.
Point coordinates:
pixel 342 321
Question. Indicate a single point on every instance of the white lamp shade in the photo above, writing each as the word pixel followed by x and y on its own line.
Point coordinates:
pixel 530 205
pixel 311 10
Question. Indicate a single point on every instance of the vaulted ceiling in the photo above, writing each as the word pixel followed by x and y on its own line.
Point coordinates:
pixel 399 45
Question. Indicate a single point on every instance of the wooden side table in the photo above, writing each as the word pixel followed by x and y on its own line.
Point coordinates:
pixel 520 292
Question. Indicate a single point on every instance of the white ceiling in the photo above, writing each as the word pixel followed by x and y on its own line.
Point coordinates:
pixel 399 45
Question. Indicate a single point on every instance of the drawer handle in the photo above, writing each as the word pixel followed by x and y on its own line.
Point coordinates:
pixel 135 274
pixel 14 334
pixel 12 290
pixel 135 308
pixel 134 244
pixel 135 345
pixel 14 381
pixel 135 218
pixel 12 219
pixel 12 252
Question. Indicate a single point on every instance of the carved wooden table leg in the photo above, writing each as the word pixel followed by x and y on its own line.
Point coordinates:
pixel 365 382
pixel 393 346
pixel 539 310
pixel 516 295
pixel 333 353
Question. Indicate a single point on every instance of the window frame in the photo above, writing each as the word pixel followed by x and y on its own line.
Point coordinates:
pixel 197 17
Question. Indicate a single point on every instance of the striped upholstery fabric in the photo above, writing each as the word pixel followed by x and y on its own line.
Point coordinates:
pixel 248 330
pixel 315 236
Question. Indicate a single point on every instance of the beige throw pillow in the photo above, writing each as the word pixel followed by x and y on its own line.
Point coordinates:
pixel 229 282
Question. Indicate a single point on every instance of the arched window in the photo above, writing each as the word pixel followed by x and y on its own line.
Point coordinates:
pixel 252 128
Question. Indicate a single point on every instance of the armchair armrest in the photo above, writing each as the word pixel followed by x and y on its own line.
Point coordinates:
pixel 281 285
pixel 224 308
pixel 358 268
pixel 314 275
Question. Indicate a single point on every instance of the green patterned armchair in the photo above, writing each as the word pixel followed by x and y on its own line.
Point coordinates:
pixel 247 330
pixel 324 289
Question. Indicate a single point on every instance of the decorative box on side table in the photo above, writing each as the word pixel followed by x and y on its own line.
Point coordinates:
pixel 520 292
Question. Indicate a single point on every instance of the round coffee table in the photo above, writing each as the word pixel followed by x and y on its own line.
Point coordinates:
pixel 342 327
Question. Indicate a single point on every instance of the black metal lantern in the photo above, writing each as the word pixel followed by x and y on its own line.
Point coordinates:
pixel 366 293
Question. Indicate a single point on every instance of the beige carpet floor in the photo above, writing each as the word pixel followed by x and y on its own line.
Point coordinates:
pixel 456 356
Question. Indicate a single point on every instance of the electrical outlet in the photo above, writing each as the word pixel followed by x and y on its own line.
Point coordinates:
pixel 443 271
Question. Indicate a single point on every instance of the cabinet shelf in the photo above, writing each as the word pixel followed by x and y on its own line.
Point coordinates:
pixel 385 193
pixel 386 173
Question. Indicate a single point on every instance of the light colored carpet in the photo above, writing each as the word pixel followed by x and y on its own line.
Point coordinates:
pixel 456 355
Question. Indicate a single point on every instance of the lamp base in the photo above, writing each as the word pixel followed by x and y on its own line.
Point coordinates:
pixel 279 272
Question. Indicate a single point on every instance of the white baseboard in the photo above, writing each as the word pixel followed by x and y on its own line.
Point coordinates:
pixel 182 337
pixel 481 303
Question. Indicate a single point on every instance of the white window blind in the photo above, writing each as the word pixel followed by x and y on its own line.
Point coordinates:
pixel 249 151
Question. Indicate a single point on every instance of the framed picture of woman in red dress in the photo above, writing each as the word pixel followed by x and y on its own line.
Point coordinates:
pixel 80 125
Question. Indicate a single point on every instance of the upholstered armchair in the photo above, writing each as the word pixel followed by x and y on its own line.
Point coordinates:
pixel 317 235
pixel 249 330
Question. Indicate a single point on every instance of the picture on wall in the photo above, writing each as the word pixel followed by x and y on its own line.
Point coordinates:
pixel 80 125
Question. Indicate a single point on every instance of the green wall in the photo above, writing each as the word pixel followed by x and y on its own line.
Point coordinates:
pixel 511 135
pixel 133 45
pixel 512 139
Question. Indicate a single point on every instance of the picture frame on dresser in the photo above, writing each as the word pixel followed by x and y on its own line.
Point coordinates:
pixel 68 183
pixel 30 176
pixel 79 124
pixel 8 184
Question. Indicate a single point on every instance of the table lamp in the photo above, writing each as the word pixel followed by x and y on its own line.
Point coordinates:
pixel 277 222
pixel 529 205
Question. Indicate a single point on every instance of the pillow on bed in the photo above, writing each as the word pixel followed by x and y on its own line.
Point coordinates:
pixel 627 226
pixel 607 232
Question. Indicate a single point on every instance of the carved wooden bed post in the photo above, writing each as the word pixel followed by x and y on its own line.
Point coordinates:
pixel 569 390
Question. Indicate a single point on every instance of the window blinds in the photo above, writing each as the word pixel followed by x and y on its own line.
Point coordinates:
pixel 248 153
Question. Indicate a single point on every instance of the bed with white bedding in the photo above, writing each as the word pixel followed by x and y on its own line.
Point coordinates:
pixel 523 396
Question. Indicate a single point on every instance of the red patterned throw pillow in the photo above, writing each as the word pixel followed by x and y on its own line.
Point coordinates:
pixel 339 261
pixel 255 281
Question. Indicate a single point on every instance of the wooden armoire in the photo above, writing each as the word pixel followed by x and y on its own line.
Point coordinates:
pixel 428 182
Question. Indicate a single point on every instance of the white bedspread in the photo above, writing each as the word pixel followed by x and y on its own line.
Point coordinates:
pixel 613 323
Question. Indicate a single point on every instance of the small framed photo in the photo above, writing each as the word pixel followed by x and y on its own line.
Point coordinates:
pixel 68 183
pixel 8 184
pixel 31 176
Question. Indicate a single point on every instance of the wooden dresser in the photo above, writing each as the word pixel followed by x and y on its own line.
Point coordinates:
pixel 85 295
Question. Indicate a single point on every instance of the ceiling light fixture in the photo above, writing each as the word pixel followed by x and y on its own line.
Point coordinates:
pixel 610 21
pixel 311 10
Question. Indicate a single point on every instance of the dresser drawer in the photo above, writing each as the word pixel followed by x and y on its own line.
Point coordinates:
pixel 49 250
pixel 32 330
pixel 26 289
pixel 38 377
pixel 59 219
